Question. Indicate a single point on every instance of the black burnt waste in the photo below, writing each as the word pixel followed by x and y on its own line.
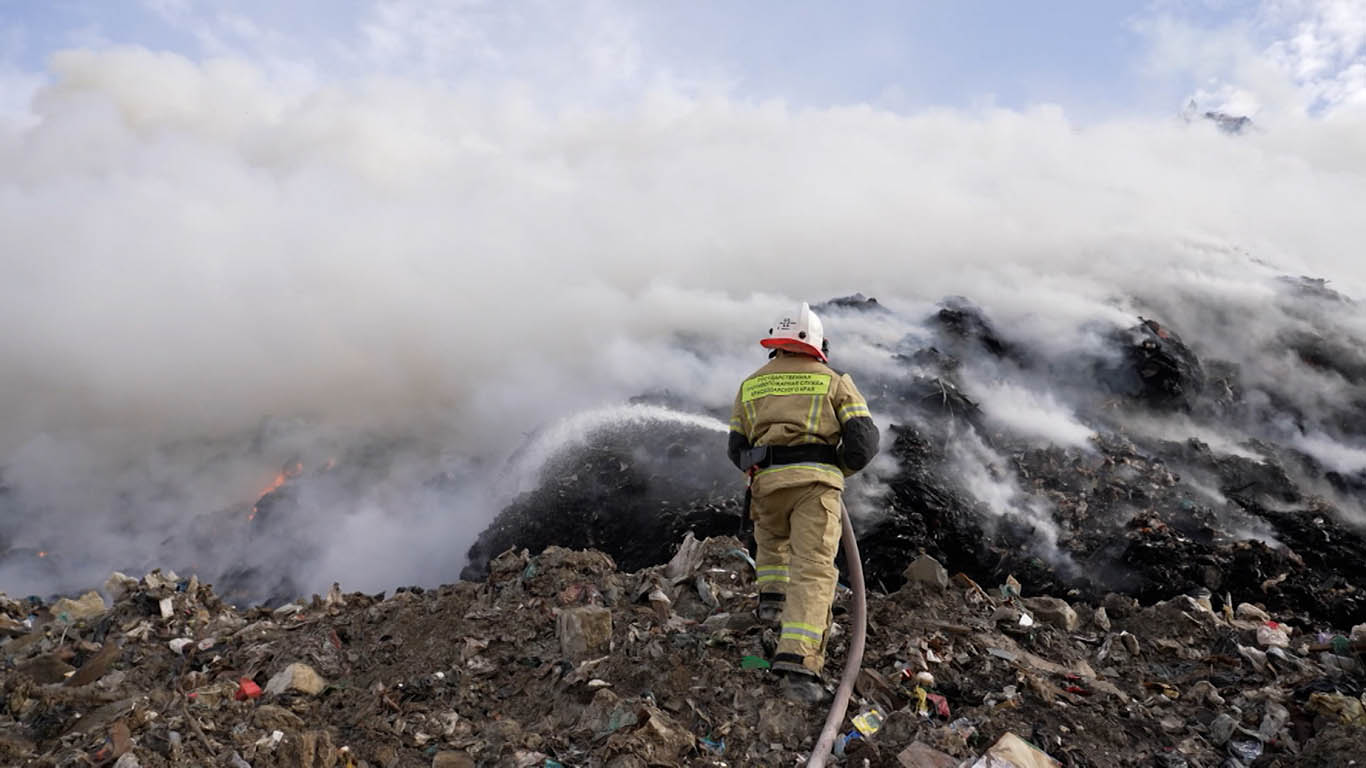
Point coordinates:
pixel 1138 511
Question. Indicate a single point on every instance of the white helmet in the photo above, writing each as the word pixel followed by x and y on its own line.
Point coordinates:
pixel 802 334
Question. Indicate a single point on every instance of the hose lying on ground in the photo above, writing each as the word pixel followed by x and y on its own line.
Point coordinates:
pixel 852 664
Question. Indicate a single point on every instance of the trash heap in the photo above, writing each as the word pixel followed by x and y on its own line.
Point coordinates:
pixel 1184 482
pixel 561 659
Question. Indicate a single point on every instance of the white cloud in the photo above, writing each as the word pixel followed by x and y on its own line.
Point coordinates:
pixel 1289 57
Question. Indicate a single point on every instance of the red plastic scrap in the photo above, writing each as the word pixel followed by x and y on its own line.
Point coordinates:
pixel 247 689
pixel 941 704
pixel 1077 689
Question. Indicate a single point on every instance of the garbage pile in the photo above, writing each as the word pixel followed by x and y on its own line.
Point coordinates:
pixel 1136 511
pixel 562 659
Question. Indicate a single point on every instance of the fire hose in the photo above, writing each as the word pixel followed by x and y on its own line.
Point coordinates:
pixel 854 661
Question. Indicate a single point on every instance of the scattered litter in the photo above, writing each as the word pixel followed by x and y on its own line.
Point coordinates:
pixel 1011 751
pixel 247 689
pixel 717 747
pixel 920 755
pixel 868 722
pixel 430 668
pixel 1271 634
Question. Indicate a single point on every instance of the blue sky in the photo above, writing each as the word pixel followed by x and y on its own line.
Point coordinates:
pixel 1095 59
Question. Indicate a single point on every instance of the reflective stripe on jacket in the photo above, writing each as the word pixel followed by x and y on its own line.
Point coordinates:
pixel 798 400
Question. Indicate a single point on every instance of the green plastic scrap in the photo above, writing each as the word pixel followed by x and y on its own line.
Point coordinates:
pixel 754 662
pixel 553 763
pixel 1341 645
pixel 719 746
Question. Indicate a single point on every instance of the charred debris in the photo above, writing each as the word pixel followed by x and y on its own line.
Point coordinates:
pixel 1128 512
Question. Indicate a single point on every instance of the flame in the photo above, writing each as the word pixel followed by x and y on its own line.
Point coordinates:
pixel 42 554
pixel 274 484
pixel 289 472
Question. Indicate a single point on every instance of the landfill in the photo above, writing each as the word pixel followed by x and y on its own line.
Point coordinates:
pixel 1146 597
pixel 562 659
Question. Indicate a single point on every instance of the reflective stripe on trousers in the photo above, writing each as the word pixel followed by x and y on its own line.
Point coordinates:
pixel 797 530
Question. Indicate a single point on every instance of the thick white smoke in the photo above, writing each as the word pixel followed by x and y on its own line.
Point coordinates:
pixel 197 253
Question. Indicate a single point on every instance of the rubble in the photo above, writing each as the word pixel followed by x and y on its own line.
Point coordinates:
pixel 1011 751
pixel 87 606
pixel 296 678
pixel 585 631
pixel 927 570
pixel 919 755
pixel 1053 611
pixel 561 659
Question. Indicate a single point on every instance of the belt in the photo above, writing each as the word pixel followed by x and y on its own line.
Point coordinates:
pixel 764 456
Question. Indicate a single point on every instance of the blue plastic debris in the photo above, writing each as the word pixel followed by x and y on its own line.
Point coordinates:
pixel 843 742
pixel 742 553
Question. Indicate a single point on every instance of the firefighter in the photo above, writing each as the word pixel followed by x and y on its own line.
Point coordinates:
pixel 798 429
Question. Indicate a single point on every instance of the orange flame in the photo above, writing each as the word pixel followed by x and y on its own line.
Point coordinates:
pixel 292 471
pixel 42 554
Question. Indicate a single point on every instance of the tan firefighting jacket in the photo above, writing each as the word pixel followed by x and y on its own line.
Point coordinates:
pixel 797 400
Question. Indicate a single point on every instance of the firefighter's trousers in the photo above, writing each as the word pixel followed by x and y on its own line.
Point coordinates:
pixel 797 533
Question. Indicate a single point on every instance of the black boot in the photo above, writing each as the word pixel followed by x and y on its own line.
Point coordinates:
pixel 804 687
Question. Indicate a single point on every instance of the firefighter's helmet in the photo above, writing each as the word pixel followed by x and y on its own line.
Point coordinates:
pixel 802 334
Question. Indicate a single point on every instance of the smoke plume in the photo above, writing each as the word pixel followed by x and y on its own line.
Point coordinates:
pixel 210 276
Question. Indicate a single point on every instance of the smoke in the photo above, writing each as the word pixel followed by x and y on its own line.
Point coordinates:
pixel 1031 414
pixel 213 271
pixel 986 477
pixel 1332 454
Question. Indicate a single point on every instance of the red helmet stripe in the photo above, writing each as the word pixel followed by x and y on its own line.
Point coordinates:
pixel 792 345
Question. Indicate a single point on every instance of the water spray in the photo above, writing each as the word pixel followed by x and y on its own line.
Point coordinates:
pixel 526 463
